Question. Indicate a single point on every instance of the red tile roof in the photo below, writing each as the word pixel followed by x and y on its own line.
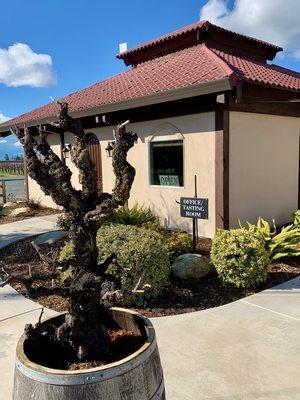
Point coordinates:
pixel 187 67
pixel 181 69
pixel 190 28
pixel 259 72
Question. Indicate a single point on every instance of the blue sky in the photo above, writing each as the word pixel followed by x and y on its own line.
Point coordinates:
pixel 67 45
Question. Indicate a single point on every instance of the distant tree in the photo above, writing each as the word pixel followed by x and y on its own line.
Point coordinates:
pixel 6 157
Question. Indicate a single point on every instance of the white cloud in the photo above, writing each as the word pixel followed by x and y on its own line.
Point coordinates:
pixel 21 66
pixel 275 21
pixel 3 141
pixel 3 118
pixel 17 144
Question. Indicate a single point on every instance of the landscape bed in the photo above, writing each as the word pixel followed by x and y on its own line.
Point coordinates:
pixel 180 296
pixel 41 211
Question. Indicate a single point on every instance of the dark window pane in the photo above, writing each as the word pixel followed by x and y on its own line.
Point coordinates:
pixel 166 163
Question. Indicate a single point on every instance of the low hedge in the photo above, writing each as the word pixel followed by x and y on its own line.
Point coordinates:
pixel 132 244
pixel 240 258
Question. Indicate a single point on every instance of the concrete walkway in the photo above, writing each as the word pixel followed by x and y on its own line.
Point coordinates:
pixel 14 231
pixel 246 350
pixel 15 309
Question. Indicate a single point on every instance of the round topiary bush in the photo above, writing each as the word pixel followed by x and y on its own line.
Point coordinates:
pixel 240 258
pixel 130 244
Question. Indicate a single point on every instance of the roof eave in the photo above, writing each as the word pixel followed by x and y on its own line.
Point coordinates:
pixel 216 86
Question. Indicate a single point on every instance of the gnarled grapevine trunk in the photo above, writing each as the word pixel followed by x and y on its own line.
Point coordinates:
pixel 89 288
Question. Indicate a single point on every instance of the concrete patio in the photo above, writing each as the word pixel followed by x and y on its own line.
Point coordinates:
pixel 246 350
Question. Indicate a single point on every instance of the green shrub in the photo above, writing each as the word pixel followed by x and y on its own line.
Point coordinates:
pixel 286 243
pixel 177 242
pixel 65 252
pixel 132 244
pixel 137 215
pixel 296 219
pixel 240 258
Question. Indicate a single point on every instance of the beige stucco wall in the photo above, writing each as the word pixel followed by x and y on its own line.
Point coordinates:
pixel 263 167
pixel 198 136
pixel 33 188
pixel 198 133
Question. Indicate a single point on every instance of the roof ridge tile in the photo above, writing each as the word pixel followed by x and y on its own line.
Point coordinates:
pixel 228 70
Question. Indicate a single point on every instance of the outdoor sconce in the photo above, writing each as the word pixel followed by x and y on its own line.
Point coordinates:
pixel 66 150
pixel 109 148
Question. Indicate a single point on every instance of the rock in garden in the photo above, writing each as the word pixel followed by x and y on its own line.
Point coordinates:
pixel 7 207
pixel 18 212
pixel 191 266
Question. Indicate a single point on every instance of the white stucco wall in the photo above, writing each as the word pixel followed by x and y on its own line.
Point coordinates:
pixel 263 167
pixel 198 133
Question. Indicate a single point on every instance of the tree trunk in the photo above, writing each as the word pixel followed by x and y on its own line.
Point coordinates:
pixel 89 288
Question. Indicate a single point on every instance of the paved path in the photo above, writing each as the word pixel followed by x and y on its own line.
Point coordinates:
pixel 15 309
pixel 10 233
pixel 246 350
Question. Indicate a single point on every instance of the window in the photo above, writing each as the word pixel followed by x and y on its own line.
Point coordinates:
pixel 166 163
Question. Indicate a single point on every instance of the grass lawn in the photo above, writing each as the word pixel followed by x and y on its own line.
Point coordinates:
pixel 7 175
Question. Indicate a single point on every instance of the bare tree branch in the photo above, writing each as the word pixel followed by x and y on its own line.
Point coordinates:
pixel 58 266
pixel 45 167
pixel 124 173
pixel 81 157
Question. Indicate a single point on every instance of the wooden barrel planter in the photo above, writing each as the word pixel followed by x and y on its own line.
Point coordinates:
pixel 137 377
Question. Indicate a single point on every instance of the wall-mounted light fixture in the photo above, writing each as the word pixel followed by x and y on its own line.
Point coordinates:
pixel 109 148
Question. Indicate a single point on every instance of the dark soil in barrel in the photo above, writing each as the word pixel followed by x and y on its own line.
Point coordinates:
pixel 180 296
pixel 122 345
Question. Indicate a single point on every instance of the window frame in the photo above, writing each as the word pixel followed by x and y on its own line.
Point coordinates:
pixel 150 146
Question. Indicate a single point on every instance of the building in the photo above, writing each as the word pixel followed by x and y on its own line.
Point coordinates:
pixel 204 101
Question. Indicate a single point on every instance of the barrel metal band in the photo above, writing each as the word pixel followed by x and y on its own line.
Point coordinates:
pixel 158 394
pixel 65 379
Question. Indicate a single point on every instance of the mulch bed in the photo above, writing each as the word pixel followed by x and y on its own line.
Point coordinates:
pixel 181 296
pixel 41 211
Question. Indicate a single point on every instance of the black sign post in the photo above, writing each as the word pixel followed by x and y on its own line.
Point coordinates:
pixel 193 207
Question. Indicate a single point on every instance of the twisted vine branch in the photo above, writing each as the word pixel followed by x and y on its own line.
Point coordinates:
pixel 89 289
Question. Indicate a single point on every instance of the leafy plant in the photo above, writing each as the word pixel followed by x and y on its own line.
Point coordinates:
pixel 33 204
pixel 296 219
pixel 240 258
pixel 137 215
pixel 286 243
pixel 177 242
pixel 137 250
